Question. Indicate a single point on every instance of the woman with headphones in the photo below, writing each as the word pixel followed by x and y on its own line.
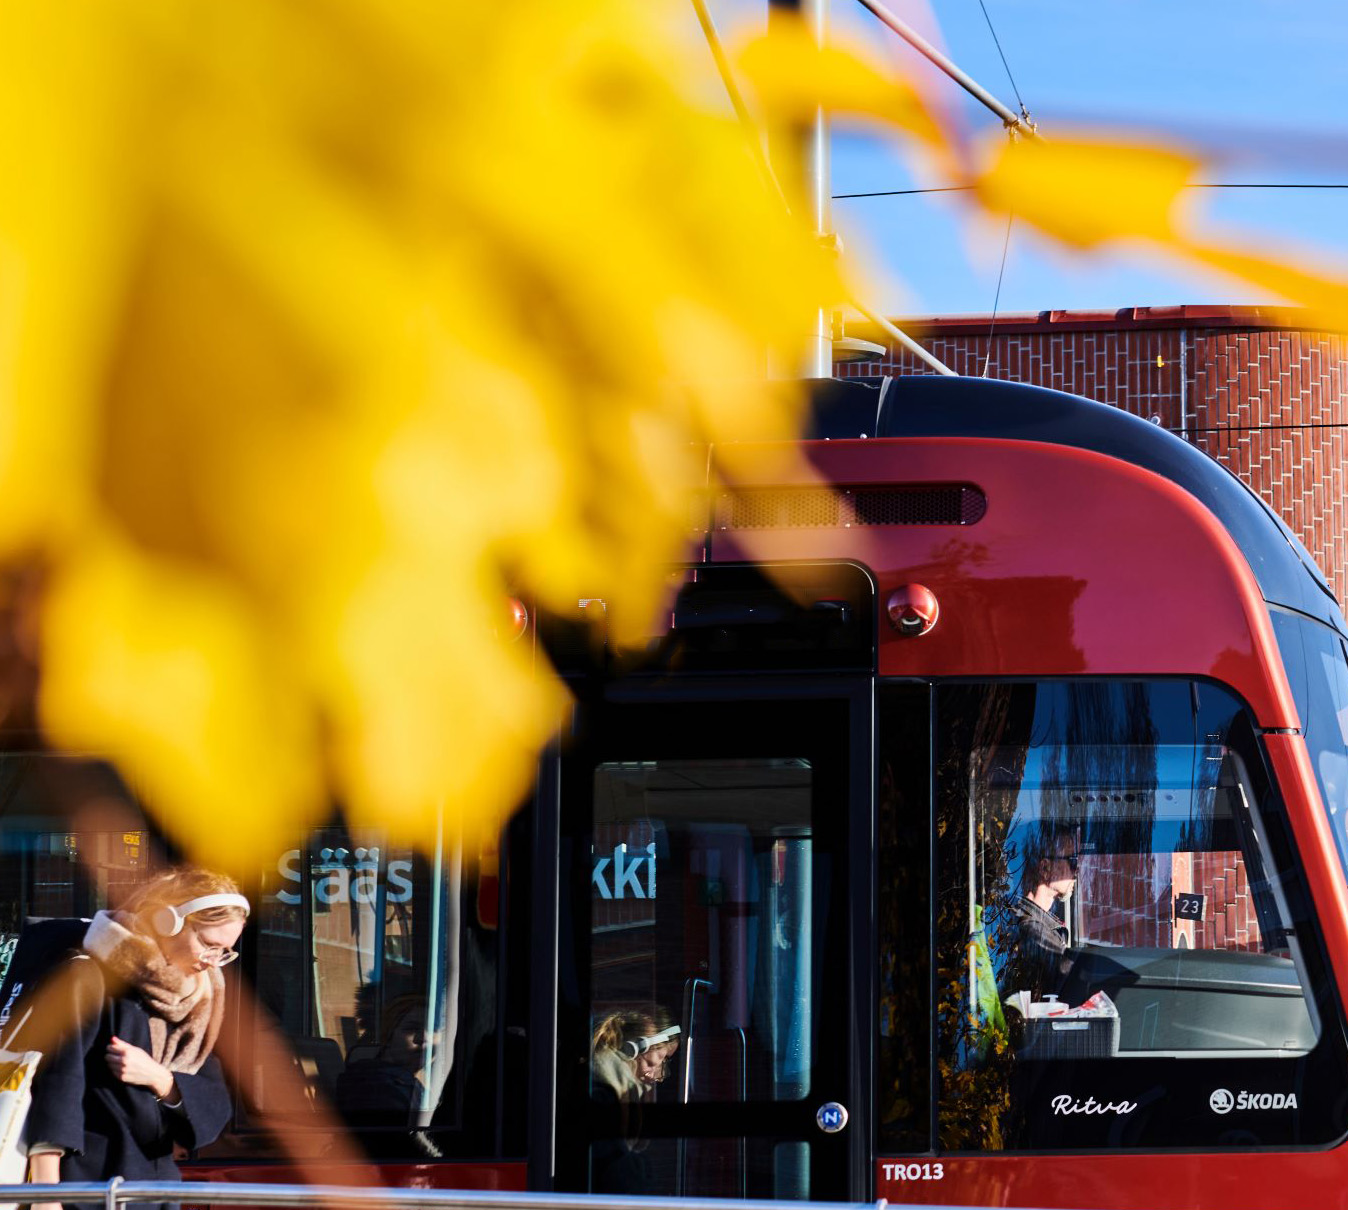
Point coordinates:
pixel 133 1073
pixel 632 1050
pixel 630 1054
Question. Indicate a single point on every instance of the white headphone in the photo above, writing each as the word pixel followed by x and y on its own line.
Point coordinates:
pixel 639 1046
pixel 168 921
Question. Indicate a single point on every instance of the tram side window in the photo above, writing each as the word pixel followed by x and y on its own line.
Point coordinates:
pixel 1111 900
pixel 393 1008
pixel 1317 669
pixel 46 867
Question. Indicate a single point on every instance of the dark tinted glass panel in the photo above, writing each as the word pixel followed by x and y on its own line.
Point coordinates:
pixel 1117 892
pixel 903 869
pixel 71 842
pixel 1317 670
pixel 797 616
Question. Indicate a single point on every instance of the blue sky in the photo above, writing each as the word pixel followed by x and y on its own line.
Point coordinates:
pixel 1260 86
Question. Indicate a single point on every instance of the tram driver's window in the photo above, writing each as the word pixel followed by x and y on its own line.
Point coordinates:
pixel 1112 899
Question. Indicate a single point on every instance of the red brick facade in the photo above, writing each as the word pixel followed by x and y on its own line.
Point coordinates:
pixel 1266 399
pixel 1129 899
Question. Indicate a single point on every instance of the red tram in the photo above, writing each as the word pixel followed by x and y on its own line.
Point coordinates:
pixel 1000 647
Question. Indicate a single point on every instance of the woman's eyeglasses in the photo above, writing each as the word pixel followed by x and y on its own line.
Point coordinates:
pixel 217 955
pixel 1070 858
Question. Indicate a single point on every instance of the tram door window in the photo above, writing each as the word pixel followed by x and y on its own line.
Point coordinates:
pixel 715 996
pixel 1117 892
pixel 733 843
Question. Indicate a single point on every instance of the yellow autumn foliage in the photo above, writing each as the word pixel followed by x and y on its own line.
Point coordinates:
pixel 1088 192
pixel 325 327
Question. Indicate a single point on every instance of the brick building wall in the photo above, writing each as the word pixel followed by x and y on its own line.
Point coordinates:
pixel 1266 399
pixel 1129 899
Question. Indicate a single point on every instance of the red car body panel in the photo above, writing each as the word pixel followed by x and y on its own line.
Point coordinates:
pixel 1082 566
pixel 504 1175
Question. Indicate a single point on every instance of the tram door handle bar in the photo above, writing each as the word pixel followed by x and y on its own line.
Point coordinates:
pixel 686 1084
pixel 744 1096
pixel 689 1008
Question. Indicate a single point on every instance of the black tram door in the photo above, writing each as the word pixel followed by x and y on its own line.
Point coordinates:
pixel 714 853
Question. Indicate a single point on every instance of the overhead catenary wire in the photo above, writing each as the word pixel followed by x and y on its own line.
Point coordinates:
pixel 997 42
pixel 997 297
pixel 837 197
pixel 902 192
pixel 1269 428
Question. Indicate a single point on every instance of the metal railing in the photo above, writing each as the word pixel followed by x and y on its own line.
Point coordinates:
pixel 117 1192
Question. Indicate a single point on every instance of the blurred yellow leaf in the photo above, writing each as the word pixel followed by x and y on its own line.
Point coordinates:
pixel 793 76
pixel 1085 192
pixel 1089 192
pixel 174 677
pixel 1324 299
pixel 324 328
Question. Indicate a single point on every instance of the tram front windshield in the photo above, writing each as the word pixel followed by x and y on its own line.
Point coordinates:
pixel 1115 890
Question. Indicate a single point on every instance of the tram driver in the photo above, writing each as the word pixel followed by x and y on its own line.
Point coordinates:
pixel 1048 879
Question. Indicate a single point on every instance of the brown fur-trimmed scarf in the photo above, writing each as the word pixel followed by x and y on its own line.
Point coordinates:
pixel 185 1010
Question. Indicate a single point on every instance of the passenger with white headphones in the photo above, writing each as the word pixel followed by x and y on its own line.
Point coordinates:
pixel 632 1050
pixel 630 1054
pixel 144 1000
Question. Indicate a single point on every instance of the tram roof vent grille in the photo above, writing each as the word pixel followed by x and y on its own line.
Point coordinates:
pixel 845 507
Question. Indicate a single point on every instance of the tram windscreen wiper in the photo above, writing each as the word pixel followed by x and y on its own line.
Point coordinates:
pixel 767 610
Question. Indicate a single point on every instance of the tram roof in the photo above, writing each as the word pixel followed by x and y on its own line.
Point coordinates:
pixel 940 406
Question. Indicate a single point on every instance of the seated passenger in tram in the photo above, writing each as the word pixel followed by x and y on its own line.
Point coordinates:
pixel 1048 879
pixel 385 1085
pixel 631 1051
pixel 630 1054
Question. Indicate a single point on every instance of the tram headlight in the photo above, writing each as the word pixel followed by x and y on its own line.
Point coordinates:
pixel 913 610
pixel 517 619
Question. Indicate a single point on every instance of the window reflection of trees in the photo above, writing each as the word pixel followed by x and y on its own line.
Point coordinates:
pixel 981 750
pixel 1099 781
pixel 1099 774
pixel 903 838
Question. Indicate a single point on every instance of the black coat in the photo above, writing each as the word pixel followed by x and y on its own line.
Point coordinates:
pixel 1043 955
pixel 109 1128
pixel 372 1092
